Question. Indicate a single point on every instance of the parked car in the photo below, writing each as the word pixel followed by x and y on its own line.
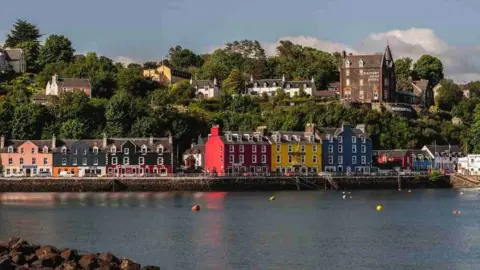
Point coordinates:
pixel 18 174
pixel 66 174
pixel 289 174
pixel 43 174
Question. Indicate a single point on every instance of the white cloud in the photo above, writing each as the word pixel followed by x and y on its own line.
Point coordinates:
pixel 126 60
pixel 460 64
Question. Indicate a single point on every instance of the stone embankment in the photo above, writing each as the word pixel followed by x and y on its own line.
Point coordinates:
pixel 19 254
pixel 216 184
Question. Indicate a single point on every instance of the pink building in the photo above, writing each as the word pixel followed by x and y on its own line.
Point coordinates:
pixel 27 157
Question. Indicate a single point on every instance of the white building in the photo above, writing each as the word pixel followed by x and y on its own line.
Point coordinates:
pixel 194 158
pixel 206 88
pixel 58 85
pixel 445 157
pixel 469 165
pixel 270 86
pixel 12 60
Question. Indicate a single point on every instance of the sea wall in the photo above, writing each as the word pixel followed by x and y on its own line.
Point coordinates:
pixel 215 184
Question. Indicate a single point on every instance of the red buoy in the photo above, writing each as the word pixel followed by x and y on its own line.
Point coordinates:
pixel 196 208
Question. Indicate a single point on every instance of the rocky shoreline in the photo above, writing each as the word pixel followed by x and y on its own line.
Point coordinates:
pixel 17 254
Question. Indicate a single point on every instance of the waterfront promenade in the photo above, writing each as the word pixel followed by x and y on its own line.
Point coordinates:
pixel 224 183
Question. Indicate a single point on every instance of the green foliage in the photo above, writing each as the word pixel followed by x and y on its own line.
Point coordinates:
pixel 448 95
pixel 234 83
pixel 403 68
pixel 184 58
pixel 435 175
pixel 72 129
pixel 31 50
pixel 22 31
pixel 56 48
pixel 430 68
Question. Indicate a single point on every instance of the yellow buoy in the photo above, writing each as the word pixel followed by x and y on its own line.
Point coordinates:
pixel 379 207
pixel 272 198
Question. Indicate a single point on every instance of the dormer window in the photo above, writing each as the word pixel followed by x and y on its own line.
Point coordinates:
pixel 265 84
pixel 95 150
pixel 75 151
pixel 311 138
pixel 113 149
pixel 64 150
pixel 347 63
pixel 85 151
pixel 250 138
pixel 277 138
pixel 295 137
pixel 239 137
pixel 304 85
pixel 256 84
pixel 287 137
pixel 229 137
pixel 360 63
pixel 144 149
pixel 126 151
pixel 257 137
pixel 45 149
pixel 10 149
pixel 288 86
pixel 160 149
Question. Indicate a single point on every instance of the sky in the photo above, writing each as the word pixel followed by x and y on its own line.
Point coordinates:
pixel 144 30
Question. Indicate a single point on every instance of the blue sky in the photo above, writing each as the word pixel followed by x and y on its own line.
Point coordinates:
pixel 145 29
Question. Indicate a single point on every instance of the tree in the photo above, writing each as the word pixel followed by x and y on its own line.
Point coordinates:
pixel 403 68
pixel 120 113
pixel 474 134
pixel 150 65
pixel 22 31
pixel 234 83
pixel 131 80
pixel 404 84
pixel 144 127
pixel 72 129
pixel 184 58
pixel 448 95
pixel 31 50
pixel 24 122
pixel 57 48
pixel 429 68
pixel 474 88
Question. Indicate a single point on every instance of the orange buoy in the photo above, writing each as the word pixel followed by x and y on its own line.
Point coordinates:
pixel 196 208
pixel 456 212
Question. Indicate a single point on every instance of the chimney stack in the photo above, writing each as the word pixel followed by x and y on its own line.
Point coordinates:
pixel 215 81
pixel 361 127
pixel 344 54
pixel 262 130
pixel 310 127
pixel 2 142
pixel 151 140
pixel 104 143
pixel 170 138
pixel 54 142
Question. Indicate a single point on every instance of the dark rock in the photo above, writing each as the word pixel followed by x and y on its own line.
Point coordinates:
pixel 4 248
pixel 108 257
pixel 70 266
pixel 149 267
pixel 6 263
pixel 13 241
pixel 31 258
pixel 19 259
pixel 50 260
pixel 69 255
pixel 46 250
pixel 22 267
pixel 129 265
pixel 108 266
pixel 88 261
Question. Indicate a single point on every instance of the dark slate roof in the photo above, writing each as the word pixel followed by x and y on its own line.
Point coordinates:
pixel 444 148
pixel 14 54
pixel 203 83
pixel 337 131
pixel 73 83
pixel 420 85
pixel 139 142
pixel 270 82
pixel 282 84
pixel 244 137
pixel 294 137
pixel 369 61
pixel 16 143
pixel 196 149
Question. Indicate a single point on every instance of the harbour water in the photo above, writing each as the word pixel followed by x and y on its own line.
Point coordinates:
pixel 297 230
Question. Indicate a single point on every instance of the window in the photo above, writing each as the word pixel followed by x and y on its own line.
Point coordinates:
pixel 95 161
pixel 385 81
pixel 114 160
pixel 84 161
pixel 290 148
pixel 221 158
pixel 160 149
pixel 361 95
pixel 279 159
pixel 340 160
pixel 21 160
pixel 232 159
pixel 364 149
pixel 64 161
pixel 354 149
pixel 361 72
pixel 363 139
pixel 144 149
pixel 229 137
pixel 302 159
pixel 289 159
pixel 34 161
pixel 95 150
pixel 330 148
pixel 264 148
pixel 241 149
pixel 360 63
pixel 113 149
pixel 314 148
pixel 264 159
pixel 288 86
pixel 85 151
pixel 354 139
pixel 330 159
pixel 232 148
pixel 249 138
pixel 126 161
pixel 221 148
pixel 10 149
pixel 347 63
pixel 126 151
pixel 375 95
pixel 302 148
pixel 364 159
pixel 361 82
pixel 33 150
pixel 340 139
pixel 75 151
pixel 10 161
pixel 347 95
pixel 254 148
pixel 347 72
pixel 278 147
pixel 21 150
pixel 241 159
pixel 340 149
pixel 347 82
pixel 160 161
pixel 74 162
pixel 254 159
pixel 354 160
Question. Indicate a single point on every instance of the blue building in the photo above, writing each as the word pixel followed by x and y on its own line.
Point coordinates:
pixel 346 149
pixel 421 160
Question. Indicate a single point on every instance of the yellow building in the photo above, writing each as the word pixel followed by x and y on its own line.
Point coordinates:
pixel 166 75
pixel 296 151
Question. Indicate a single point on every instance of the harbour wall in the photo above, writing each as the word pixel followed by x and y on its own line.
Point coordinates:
pixel 216 184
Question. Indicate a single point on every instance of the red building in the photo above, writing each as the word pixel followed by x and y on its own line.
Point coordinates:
pixel 401 157
pixel 237 152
